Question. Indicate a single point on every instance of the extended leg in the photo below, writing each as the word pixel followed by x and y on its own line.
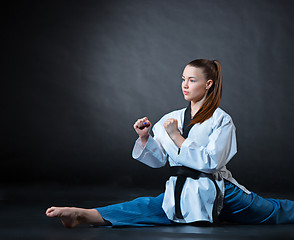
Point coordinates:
pixel 142 211
pixel 240 207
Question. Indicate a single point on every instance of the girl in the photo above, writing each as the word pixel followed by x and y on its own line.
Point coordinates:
pixel 198 142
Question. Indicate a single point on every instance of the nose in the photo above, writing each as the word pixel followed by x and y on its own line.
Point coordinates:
pixel 185 83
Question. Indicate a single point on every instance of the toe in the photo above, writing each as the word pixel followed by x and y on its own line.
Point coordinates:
pixel 53 212
pixel 50 210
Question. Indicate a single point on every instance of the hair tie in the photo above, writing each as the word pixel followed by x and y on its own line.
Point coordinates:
pixel 213 62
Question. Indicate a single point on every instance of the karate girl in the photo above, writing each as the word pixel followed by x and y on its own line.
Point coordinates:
pixel 197 142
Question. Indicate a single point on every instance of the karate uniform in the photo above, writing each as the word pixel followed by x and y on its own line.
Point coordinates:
pixel 208 148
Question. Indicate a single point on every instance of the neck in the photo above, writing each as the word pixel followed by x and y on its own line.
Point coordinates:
pixel 195 106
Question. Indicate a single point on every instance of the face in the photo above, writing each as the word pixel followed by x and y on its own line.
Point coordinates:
pixel 194 85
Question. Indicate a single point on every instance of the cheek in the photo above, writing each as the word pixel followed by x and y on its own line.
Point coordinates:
pixel 197 89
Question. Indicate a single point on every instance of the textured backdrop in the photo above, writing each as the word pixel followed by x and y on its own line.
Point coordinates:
pixel 77 75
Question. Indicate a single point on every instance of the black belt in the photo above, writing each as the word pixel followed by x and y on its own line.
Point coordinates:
pixel 182 173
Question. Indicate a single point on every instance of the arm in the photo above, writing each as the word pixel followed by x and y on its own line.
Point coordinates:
pixel 221 147
pixel 152 154
pixel 171 127
pixel 146 149
pixel 142 127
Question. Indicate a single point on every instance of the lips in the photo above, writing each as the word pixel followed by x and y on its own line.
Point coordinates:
pixel 185 92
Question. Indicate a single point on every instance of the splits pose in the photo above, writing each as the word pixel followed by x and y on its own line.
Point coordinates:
pixel 198 142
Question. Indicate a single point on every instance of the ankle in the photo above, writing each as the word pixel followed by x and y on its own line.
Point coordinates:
pixel 87 216
pixel 81 216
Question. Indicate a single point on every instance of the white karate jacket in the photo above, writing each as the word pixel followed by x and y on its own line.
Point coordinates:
pixel 208 148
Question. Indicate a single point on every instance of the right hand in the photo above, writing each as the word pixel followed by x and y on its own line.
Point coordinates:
pixel 142 126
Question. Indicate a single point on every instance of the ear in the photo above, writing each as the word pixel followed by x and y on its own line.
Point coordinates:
pixel 209 83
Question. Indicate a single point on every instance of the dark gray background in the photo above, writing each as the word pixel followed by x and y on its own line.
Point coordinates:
pixel 77 75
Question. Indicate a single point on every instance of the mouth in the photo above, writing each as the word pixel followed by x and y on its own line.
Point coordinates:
pixel 185 92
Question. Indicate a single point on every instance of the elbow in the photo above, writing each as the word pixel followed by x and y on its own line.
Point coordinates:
pixel 157 161
pixel 157 164
pixel 214 169
pixel 211 164
pixel 211 168
pixel 204 160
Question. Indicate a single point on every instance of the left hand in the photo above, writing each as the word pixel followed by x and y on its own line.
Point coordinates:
pixel 171 127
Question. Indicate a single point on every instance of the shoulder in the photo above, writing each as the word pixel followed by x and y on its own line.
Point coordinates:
pixel 220 118
pixel 174 114
pixel 220 113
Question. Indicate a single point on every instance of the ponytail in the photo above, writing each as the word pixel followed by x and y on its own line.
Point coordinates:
pixel 212 70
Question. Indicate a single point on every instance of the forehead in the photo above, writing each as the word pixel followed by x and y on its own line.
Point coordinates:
pixel 190 71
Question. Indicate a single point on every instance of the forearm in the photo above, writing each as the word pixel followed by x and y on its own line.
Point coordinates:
pixel 177 139
pixel 152 154
pixel 171 128
pixel 144 140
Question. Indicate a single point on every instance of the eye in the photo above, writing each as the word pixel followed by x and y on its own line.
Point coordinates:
pixel 192 80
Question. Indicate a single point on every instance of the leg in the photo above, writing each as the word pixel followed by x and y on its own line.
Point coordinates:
pixel 240 207
pixel 71 217
pixel 143 211
pixel 282 213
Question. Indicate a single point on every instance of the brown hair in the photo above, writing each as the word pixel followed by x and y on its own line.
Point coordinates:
pixel 212 70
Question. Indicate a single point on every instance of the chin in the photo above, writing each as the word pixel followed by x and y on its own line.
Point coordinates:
pixel 187 98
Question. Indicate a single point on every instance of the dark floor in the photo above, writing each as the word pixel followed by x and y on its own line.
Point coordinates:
pixel 22 217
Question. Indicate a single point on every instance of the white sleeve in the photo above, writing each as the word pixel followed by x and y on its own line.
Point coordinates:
pixel 221 147
pixel 152 154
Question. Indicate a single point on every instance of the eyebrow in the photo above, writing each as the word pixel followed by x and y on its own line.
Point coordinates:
pixel 188 77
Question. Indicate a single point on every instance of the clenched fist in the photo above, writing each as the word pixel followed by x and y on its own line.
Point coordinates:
pixel 171 127
pixel 142 126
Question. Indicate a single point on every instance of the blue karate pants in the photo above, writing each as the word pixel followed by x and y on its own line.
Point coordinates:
pixel 239 207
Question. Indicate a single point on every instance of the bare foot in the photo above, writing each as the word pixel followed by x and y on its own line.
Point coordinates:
pixel 69 216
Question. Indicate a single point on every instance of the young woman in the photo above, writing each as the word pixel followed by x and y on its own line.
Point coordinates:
pixel 198 142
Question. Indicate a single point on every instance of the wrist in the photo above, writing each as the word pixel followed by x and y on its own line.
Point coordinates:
pixel 144 139
pixel 174 135
pixel 178 139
